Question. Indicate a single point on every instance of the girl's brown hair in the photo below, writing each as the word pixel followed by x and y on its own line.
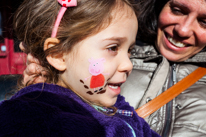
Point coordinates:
pixel 34 20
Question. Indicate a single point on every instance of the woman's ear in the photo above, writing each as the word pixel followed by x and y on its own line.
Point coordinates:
pixel 57 60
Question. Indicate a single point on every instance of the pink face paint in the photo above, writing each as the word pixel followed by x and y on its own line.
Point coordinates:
pixel 96 68
pixel 97 82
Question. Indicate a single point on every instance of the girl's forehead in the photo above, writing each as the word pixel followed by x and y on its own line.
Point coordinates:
pixel 119 12
pixel 122 10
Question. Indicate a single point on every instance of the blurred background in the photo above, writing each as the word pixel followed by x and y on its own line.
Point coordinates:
pixel 12 60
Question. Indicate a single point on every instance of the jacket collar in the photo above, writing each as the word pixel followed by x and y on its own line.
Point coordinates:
pixel 149 53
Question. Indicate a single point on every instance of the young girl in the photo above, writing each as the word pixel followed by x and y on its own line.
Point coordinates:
pixel 86 58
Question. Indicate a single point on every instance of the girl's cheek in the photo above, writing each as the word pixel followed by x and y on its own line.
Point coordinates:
pixel 95 82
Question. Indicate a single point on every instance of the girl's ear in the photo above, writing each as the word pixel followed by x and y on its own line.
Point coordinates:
pixel 57 60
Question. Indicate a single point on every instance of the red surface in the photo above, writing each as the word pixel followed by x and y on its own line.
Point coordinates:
pixel 11 62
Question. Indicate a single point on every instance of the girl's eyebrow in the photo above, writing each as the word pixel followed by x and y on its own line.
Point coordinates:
pixel 119 39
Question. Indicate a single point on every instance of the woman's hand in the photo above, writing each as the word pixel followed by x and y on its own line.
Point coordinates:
pixel 34 72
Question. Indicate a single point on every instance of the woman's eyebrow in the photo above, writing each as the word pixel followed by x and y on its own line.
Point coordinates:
pixel 184 6
pixel 173 2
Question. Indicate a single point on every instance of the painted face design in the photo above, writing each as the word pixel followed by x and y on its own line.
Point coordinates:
pixel 97 81
pixel 96 68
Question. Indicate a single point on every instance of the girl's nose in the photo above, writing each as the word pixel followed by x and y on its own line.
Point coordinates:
pixel 125 65
pixel 184 28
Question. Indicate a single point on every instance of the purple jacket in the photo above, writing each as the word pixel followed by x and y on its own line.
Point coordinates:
pixel 50 110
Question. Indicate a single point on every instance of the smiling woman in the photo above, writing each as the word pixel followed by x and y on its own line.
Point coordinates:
pixel 182 29
pixel 174 33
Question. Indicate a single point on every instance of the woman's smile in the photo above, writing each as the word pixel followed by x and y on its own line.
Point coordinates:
pixel 181 29
pixel 173 44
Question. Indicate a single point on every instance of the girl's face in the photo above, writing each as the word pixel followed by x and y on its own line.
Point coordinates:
pixel 182 29
pixel 99 64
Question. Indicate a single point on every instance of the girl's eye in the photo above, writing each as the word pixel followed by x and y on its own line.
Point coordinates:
pixel 114 48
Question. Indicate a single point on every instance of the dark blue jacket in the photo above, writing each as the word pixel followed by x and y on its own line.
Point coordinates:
pixel 45 110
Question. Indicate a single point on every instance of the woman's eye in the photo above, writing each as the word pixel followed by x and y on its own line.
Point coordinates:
pixel 176 11
pixel 202 23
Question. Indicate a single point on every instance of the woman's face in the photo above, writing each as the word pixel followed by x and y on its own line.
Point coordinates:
pixel 182 29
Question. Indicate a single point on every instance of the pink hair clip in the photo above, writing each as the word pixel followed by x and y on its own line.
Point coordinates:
pixel 65 4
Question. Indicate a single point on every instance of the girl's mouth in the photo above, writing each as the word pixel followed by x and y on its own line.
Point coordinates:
pixel 114 86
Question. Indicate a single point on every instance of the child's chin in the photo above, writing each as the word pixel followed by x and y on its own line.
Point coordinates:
pixel 109 103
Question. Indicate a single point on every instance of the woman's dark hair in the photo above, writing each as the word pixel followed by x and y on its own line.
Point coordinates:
pixel 149 13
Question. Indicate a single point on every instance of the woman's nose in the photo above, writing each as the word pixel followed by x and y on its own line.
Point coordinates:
pixel 184 28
